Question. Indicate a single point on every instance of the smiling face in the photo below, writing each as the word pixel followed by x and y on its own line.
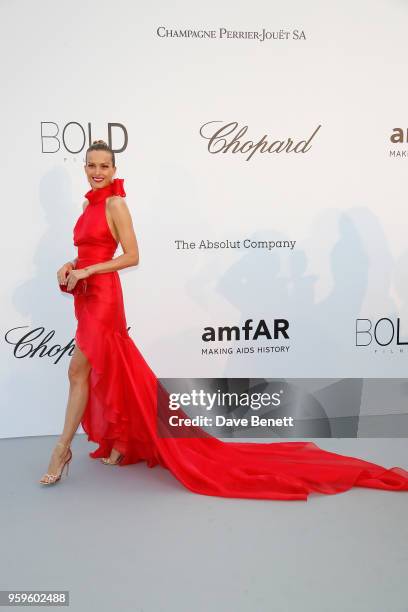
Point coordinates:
pixel 99 169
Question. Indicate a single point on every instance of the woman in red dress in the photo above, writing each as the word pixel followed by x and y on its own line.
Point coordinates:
pixel 115 395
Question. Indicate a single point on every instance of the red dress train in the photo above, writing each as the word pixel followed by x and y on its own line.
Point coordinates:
pixel 121 411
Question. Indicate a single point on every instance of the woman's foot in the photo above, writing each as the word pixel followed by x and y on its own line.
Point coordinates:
pixel 114 458
pixel 59 456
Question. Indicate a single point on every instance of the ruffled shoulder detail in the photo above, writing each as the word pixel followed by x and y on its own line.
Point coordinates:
pixel 117 187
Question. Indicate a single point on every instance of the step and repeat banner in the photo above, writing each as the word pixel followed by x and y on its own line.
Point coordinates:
pixel 264 151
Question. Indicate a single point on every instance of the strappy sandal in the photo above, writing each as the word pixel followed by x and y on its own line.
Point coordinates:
pixel 53 478
pixel 108 460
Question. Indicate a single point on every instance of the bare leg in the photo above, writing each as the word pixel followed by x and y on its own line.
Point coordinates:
pixel 78 373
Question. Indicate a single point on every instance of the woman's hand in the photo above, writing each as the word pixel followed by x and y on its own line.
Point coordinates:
pixel 75 275
pixel 63 272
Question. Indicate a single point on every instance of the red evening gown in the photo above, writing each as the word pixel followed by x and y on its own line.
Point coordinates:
pixel 122 412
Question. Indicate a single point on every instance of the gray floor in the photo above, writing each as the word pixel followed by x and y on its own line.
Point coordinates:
pixel 134 539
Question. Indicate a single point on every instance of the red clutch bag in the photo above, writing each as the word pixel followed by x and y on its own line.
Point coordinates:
pixel 79 288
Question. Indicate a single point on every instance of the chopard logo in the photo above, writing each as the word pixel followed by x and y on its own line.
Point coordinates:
pixel 229 138
pixel 38 342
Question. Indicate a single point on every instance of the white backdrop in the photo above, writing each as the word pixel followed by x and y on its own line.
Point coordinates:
pixel 68 67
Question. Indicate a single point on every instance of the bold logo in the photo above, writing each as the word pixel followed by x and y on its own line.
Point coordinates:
pixel 247 331
pixel 383 332
pixel 74 138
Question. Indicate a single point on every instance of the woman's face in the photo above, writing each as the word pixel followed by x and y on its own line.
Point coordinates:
pixel 99 169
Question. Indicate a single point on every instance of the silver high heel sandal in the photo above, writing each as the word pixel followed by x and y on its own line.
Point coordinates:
pixel 53 478
pixel 108 460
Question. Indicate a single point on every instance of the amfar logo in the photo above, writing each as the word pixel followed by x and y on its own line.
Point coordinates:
pixel 226 333
pixel 382 332
pixel 399 136
pixel 223 140
pixel 74 137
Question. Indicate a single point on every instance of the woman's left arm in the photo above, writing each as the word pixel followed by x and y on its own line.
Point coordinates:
pixel 122 220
